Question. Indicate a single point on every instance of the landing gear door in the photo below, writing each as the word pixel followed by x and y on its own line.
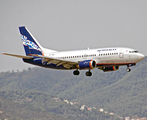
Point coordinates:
pixel 121 53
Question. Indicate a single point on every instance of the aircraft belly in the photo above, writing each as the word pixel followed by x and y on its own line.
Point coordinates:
pixel 39 62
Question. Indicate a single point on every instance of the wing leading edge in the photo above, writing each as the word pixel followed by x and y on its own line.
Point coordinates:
pixel 65 63
pixel 20 56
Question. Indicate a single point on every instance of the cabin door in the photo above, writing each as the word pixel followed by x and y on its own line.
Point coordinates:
pixel 121 53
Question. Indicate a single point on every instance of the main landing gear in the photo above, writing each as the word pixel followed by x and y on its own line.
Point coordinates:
pixel 88 73
pixel 76 72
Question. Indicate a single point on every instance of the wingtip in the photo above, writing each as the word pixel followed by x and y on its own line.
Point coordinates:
pixel 4 53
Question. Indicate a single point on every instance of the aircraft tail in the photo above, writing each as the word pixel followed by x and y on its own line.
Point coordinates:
pixel 30 44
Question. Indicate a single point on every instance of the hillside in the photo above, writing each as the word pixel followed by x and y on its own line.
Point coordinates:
pixel 32 105
pixel 120 92
pixel 11 110
pixel 125 97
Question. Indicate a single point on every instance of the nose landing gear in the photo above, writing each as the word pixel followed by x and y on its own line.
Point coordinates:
pixel 128 69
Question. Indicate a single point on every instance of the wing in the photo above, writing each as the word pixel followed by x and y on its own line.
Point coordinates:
pixel 65 63
pixel 20 56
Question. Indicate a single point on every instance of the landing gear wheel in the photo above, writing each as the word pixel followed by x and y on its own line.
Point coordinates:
pixel 128 69
pixel 76 72
pixel 88 73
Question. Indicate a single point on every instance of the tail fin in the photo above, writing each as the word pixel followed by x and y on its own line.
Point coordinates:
pixel 30 44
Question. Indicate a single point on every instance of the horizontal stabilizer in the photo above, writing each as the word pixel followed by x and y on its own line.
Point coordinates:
pixel 20 56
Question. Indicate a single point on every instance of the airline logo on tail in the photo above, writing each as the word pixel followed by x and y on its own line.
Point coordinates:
pixel 29 43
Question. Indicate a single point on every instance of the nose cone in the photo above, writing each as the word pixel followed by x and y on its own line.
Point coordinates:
pixel 140 56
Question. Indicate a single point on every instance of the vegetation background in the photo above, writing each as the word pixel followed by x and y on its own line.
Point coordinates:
pixel 29 94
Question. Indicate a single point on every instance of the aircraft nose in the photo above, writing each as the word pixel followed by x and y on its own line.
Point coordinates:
pixel 141 57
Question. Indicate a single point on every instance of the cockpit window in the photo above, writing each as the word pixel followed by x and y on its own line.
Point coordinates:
pixel 133 51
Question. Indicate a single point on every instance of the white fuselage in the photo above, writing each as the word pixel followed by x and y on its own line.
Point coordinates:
pixel 102 56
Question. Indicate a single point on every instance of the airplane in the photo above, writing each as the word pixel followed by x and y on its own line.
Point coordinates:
pixel 105 59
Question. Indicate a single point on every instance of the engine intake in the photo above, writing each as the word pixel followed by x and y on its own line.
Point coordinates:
pixel 108 69
pixel 87 64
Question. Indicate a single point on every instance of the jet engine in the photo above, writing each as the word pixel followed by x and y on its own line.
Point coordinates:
pixel 87 64
pixel 108 69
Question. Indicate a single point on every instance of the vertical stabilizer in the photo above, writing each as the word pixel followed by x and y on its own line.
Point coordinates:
pixel 30 44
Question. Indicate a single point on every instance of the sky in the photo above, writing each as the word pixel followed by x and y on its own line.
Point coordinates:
pixel 71 25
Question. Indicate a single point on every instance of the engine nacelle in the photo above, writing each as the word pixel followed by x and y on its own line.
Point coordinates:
pixel 108 69
pixel 87 64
